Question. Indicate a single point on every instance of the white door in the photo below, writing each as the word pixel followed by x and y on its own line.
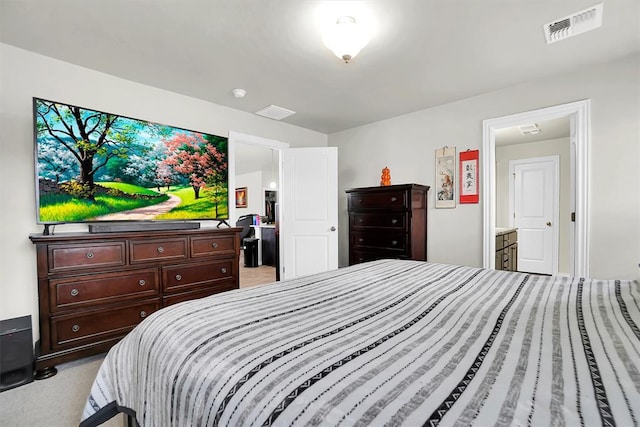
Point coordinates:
pixel 534 206
pixel 309 214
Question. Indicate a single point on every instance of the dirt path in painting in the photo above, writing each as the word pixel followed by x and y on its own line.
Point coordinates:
pixel 147 212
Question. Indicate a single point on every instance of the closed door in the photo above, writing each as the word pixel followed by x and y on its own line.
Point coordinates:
pixel 309 234
pixel 534 204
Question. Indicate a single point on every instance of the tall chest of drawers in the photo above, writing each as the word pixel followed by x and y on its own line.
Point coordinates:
pixel 93 288
pixel 387 222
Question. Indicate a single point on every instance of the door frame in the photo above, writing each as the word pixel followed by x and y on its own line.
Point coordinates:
pixel 579 113
pixel 237 137
pixel 556 203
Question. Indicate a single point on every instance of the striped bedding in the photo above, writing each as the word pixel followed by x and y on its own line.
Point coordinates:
pixel 385 343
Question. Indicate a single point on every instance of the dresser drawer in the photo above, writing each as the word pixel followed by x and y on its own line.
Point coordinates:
pixel 90 290
pixel 207 246
pixel 201 293
pixel 157 250
pixel 178 278
pixel 360 256
pixel 91 327
pixel 86 256
pixel 393 199
pixel 391 220
pixel 388 241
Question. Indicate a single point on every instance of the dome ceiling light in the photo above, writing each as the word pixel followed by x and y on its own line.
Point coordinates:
pixel 346 28
pixel 346 38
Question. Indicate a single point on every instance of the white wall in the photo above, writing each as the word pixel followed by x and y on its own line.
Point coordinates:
pixel 407 144
pixel 24 75
pixel 255 193
pixel 551 147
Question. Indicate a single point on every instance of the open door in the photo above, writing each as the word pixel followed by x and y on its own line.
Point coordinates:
pixel 309 215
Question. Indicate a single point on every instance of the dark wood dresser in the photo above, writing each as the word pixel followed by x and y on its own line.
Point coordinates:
pixel 96 287
pixel 387 222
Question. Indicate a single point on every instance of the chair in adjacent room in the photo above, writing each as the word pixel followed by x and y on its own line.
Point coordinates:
pixel 248 242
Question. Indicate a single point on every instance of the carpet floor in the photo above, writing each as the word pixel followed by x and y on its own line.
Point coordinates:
pixel 59 400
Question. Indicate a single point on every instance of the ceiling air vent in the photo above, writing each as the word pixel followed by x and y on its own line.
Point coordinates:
pixel 531 129
pixel 274 112
pixel 578 23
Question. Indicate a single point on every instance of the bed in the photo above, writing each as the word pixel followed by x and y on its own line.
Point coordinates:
pixel 390 342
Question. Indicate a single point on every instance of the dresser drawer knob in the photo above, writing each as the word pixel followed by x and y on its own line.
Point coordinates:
pixel 160 249
pixel 74 292
pixel 75 328
pixel 178 277
pixel 223 270
pixel 394 221
pixel 142 282
pixel 360 240
pixel 89 255
pixel 143 314
pixel 214 245
pixel 361 220
pixel 394 242
pixel 394 198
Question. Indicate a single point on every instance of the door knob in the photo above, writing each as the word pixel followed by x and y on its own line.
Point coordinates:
pixel 333 228
pixel 548 224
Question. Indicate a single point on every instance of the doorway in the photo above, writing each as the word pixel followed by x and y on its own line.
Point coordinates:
pixel 534 199
pixel 579 117
pixel 254 166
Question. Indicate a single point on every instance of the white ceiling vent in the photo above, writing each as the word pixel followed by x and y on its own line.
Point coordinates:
pixel 572 25
pixel 274 112
pixel 531 129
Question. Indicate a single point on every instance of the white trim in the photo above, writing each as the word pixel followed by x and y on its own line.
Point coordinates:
pixel 580 115
pixel 556 202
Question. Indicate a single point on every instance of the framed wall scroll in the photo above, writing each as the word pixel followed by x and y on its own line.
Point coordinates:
pixel 469 177
pixel 445 177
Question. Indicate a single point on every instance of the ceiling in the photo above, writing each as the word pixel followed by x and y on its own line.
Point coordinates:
pixel 425 52
pixel 549 129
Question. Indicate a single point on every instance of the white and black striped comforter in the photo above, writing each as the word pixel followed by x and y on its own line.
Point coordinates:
pixel 386 343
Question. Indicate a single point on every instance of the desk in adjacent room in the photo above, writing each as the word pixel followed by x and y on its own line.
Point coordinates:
pixel 267 249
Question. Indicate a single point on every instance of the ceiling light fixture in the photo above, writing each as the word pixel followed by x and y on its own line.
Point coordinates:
pixel 346 27
pixel 346 38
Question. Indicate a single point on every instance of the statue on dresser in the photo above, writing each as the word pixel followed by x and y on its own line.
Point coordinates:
pixel 385 179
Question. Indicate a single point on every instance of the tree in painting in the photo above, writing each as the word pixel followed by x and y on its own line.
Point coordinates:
pixel 92 138
pixel 197 159
pixel 55 163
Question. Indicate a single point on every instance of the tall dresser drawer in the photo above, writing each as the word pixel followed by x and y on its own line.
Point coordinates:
pixel 178 277
pixel 391 220
pixel 86 256
pixel 73 330
pixel 207 246
pixel 392 199
pixel 359 256
pixel 156 250
pixel 389 241
pixel 103 288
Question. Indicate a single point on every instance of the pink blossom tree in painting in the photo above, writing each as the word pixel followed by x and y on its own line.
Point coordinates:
pixel 196 159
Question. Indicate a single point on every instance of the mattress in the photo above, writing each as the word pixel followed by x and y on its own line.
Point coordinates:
pixel 390 342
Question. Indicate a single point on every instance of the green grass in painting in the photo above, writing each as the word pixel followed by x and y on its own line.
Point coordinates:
pixel 64 208
pixel 192 208
pixel 129 188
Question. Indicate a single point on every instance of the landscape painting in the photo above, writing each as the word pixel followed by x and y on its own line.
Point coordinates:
pixel 96 166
